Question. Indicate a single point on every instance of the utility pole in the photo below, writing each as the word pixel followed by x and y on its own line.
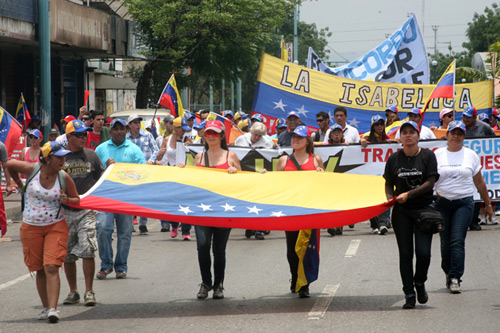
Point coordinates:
pixel 435 28
pixel 295 35
pixel 45 84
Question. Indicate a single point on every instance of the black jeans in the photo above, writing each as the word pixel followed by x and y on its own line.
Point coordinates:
pixel 405 230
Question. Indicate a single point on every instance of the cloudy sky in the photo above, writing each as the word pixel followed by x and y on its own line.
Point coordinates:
pixel 360 25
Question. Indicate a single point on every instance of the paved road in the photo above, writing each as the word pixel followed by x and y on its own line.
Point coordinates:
pixel 355 293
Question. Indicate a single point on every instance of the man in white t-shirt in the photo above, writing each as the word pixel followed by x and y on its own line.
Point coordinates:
pixel 425 132
pixel 351 134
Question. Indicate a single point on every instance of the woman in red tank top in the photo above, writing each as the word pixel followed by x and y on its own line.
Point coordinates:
pixel 32 153
pixel 216 155
pixel 303 153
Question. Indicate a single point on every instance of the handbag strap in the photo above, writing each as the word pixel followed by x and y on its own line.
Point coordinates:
pixel 294 161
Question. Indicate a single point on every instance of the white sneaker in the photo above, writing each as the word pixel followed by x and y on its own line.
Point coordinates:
pixel 455 286
pixel 44 315
pixel 53 315
pixel 375 231
pixel 497 213
pixel 383 230
pixel 494 220
pixel 483 220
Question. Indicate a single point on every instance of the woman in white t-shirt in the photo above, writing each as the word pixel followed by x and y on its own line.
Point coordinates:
pixel 459 172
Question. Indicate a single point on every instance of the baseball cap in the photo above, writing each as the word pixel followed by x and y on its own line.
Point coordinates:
pixel 494 113
pixel 392 108
pixel 133 117
pixel 227 113
pixel 214 125
pixel 182 123
pixel 53 148
pixel 36 133
pixel 109 120
pixel 257 116
pixel 67 119
pixel 443 112
pixel 412 124
pixel 483 117
pixel 200 126
pixel 456 124
pixel 293 114
pixel 301 131
pixel 188 115
pixel 35 118
pixel 117 120
pixel 244 123
pixel 203 111
pixel 415 111
pixel 376 119
pixel 77 126
pixel 470 111
pixel 54 131
pixel 337 126
pixel 281 123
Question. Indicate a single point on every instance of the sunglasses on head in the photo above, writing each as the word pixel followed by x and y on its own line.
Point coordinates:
pixel 79 135
pixel 56 148
pixel 211 134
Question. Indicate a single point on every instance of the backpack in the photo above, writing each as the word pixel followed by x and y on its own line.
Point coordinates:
pixel 61 175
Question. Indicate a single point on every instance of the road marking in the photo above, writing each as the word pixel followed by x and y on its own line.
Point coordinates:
pixel 10 283
pixel 353 248
pixel 323 302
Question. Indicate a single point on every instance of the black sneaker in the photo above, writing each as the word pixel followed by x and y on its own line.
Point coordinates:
pixel 165 229
pixel 475 227
pixel 103 273
pixel 382 230
pixel 259 236
pixel 143 229
pixel 338 231
pixel 266 232
pixel 304 292
pixel 422 295
pixel 73 298
pixel 410 302
pixel 331 231
pixel 248 233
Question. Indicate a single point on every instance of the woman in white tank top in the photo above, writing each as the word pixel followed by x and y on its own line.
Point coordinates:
pixel 44 232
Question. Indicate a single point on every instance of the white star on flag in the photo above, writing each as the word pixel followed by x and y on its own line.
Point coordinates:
pixel 303 111
pixel 253 209
pixel 228 207
pixel 277 214
pixel 205 207
pixel 185 210
pixel 280 105
pixel 354 122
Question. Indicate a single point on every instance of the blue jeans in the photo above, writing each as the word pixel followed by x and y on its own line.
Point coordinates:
pixel 143 220
pixel 405 230
pixel 457 215
pixel 204 237
pixel 185 228
pixel 124 228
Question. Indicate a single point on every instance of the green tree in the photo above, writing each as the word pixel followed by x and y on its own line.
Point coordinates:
pixel 214 38
pixel 484 30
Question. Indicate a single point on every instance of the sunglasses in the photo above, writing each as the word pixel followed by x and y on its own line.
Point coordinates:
pixel 85 119
pixel 211 134
pixel 449 115
pixel 79 135
pixel 319 120
pixel 31 136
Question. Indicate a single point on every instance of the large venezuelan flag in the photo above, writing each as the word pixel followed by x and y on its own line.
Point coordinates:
pixel 10 130
pixel 247 200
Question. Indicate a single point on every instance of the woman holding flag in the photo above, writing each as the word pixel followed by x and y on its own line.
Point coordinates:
pixel 302 158
pixel 216 155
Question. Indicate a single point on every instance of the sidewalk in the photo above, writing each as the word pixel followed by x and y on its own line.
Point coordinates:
pixel 13 207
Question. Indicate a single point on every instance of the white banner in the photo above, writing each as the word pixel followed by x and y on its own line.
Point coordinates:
pixel 401 58
pixel 362 161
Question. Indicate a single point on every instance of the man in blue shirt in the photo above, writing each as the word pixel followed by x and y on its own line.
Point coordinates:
pixel 116 150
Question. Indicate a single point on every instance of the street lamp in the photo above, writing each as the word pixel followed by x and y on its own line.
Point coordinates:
pixel 434 65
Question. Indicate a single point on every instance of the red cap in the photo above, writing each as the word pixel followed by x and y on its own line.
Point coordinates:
pixel 214 125
pixel 67 119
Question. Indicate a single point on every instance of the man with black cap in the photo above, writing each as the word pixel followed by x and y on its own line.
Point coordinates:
pixel 116 150
pixel 415 115
pixel 85 168
pixel 203 114
pixel 292 121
